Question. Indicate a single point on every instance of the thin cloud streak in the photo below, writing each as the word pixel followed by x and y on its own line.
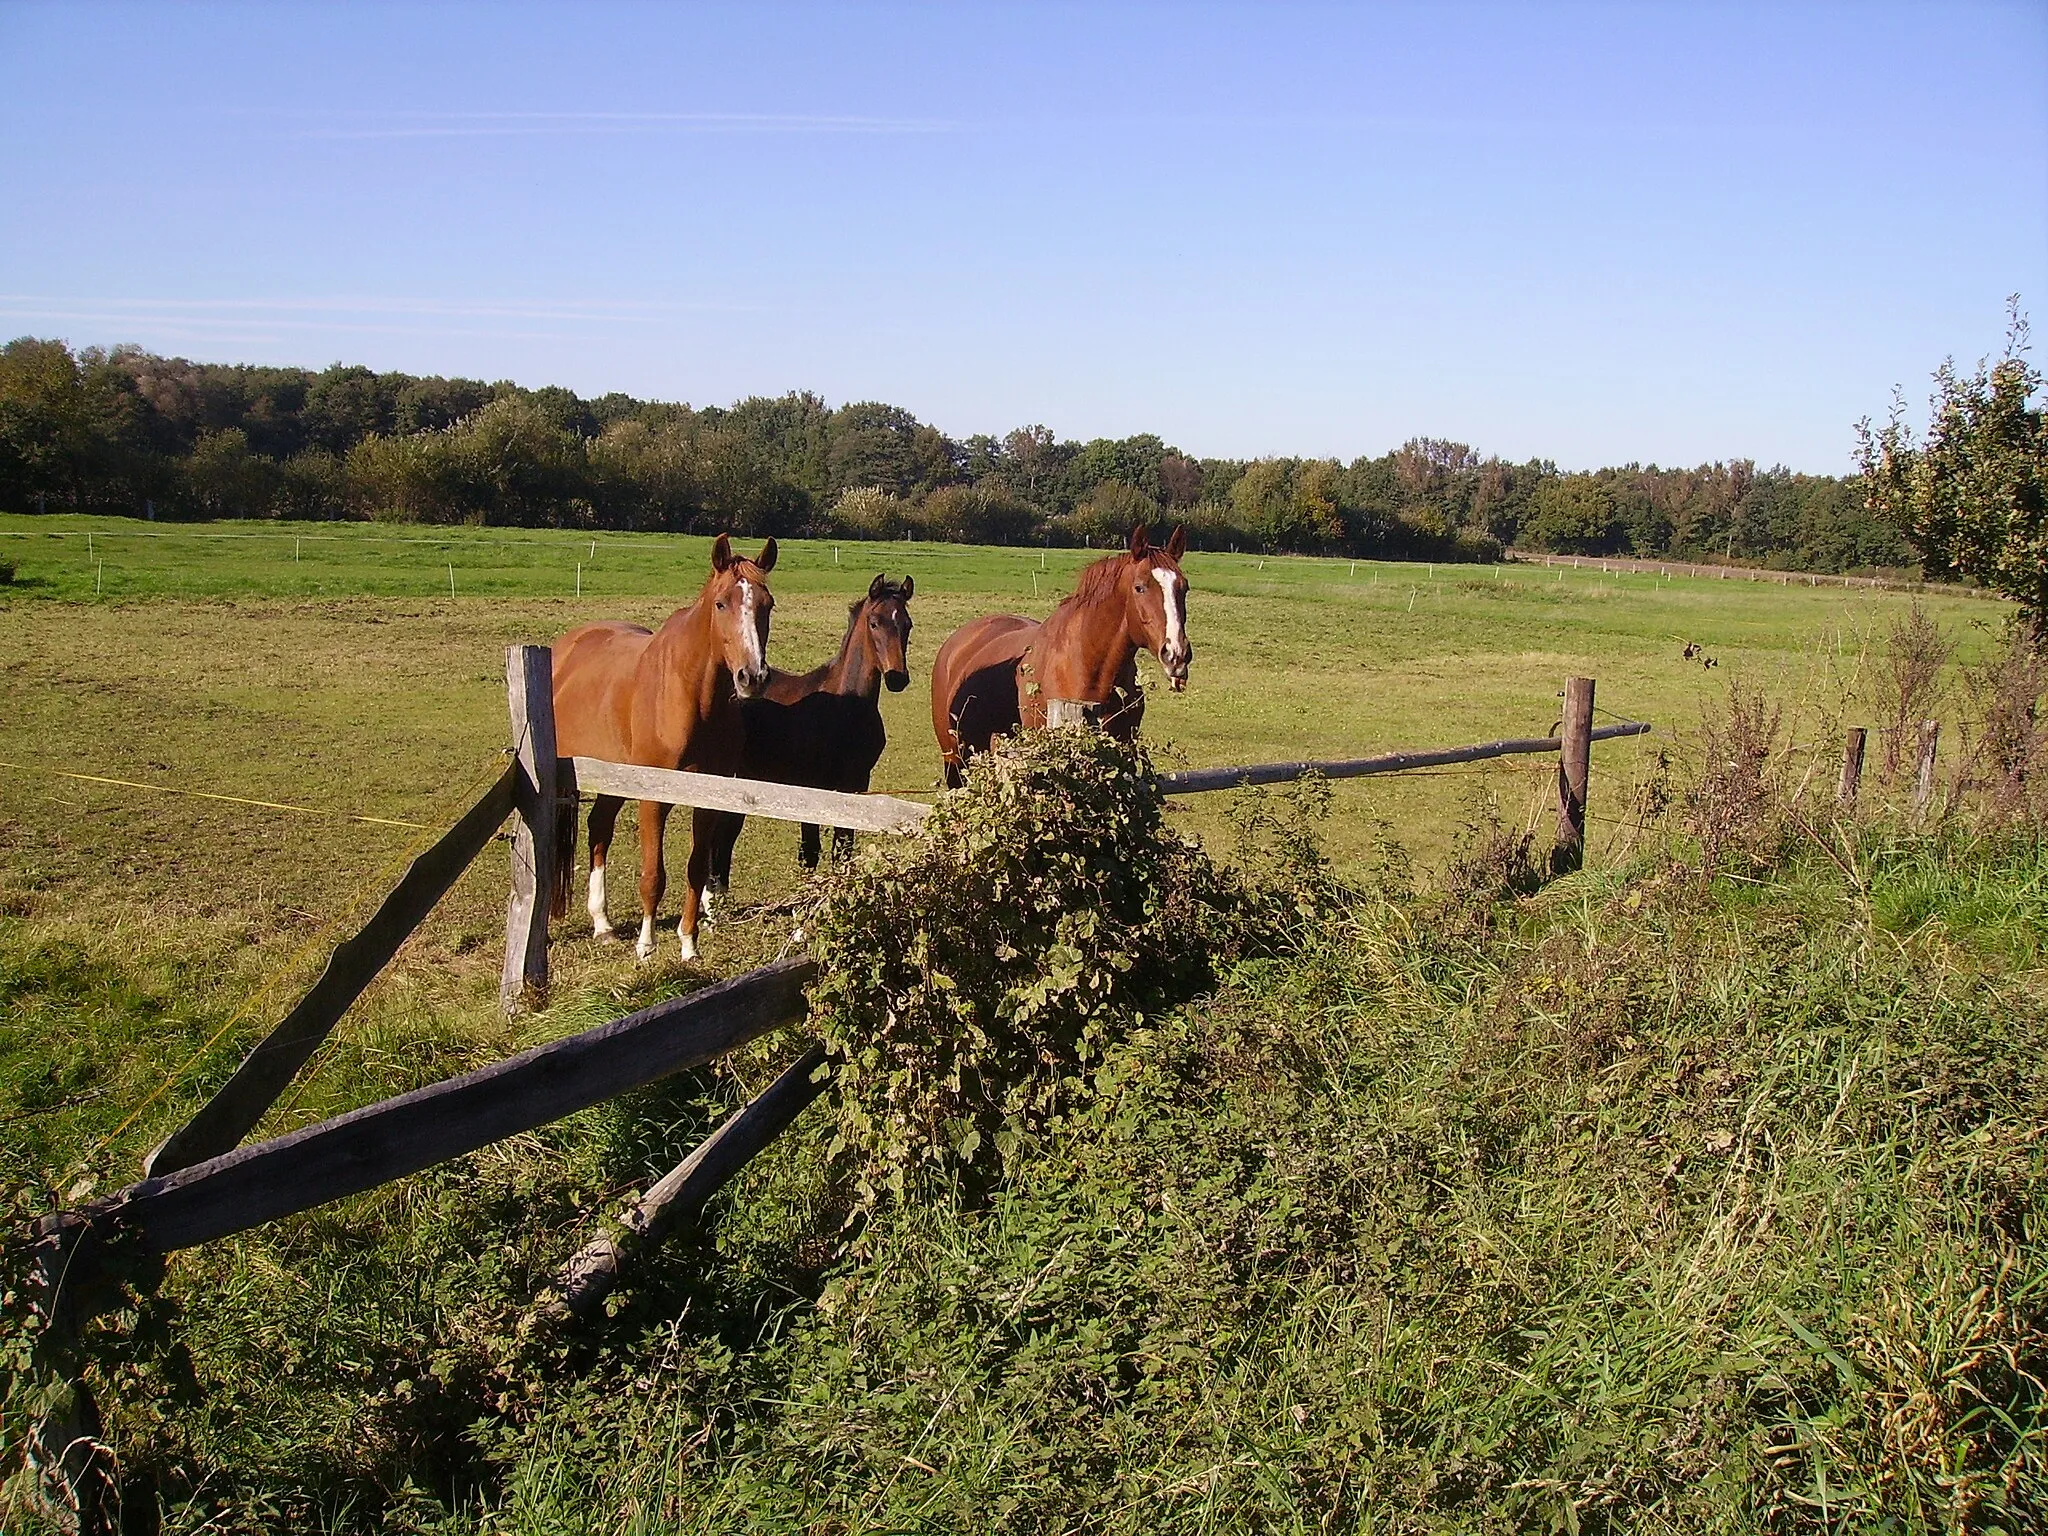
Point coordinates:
pixel 70 306
pixel 451 125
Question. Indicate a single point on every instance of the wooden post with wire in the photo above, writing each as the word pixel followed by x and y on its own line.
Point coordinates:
pixel 1923 781
pixel 1574 766
pixel 1852 767
pixel 530 691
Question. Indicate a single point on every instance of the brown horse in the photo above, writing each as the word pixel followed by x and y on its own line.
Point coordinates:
pixel 823 729
pixel 669 699
pixel 1000 673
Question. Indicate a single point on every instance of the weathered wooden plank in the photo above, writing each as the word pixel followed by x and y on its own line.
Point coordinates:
pixel 530 695
pixel 402 1135
pixel 749 797
pixel 684 1190
pixel 1574 768
pixel 1194 781
pixel 1923 776
pixel 241 1101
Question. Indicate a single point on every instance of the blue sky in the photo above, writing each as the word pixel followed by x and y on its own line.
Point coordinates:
pixel 1590 233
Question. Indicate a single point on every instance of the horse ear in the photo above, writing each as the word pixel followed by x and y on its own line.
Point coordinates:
pixel 878 587
pixel 909 586
pixel 1178 544
pixel 766 559
pixel 1139 543
pixel 721 554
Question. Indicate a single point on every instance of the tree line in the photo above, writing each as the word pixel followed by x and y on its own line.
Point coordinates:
pixel 127 431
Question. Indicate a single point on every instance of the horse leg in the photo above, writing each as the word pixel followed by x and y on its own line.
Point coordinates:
pixel 725 831
pixel 808 849
pixel 653 877
pixel 703 832
pixel 604 817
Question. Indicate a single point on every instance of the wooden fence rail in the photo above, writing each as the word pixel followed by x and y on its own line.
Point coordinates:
pixel 749 797
pixel 1200 780
pixel 400 1136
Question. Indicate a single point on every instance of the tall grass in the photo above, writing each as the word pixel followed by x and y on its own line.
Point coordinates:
pixel 1653 1204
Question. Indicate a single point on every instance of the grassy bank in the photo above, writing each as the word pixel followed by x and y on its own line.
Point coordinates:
pixel 1643 1204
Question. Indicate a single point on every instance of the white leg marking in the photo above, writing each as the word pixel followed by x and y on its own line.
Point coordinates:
pixel 599 923
pixel 644 945
pixel 706 902
pixel 686 943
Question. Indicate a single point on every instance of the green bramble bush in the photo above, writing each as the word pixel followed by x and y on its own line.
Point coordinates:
pixel 972 976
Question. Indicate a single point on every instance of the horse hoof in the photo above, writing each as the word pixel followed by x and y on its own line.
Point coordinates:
pixel 687 947
pixel 603 931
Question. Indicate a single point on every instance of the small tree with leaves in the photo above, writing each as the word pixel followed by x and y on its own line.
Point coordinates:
pixel 1973 497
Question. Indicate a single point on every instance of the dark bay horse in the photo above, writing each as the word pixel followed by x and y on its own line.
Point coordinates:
pixel 1000 673
pixel 666 699
pixel 823 729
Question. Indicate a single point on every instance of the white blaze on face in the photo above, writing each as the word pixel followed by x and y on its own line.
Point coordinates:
pixel 750 632
pixel 1173 585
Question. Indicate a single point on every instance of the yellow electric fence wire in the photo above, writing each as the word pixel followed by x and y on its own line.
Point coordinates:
pixel 285 968
pixel 204 794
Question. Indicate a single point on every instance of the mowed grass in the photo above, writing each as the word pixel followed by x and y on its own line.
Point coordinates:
pixel 350 634
pixel 327 667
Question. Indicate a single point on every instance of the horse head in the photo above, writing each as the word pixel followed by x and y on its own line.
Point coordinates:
pixel 741 603
pixel 885 629
pixel 1156 603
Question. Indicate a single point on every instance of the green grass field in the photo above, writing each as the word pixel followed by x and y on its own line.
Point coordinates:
pixel 1559 1226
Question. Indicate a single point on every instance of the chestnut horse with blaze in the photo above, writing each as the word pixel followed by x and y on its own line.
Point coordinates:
pixel 666 699
pixel 1001 673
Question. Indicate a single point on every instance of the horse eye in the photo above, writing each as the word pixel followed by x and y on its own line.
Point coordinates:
pixel 721 607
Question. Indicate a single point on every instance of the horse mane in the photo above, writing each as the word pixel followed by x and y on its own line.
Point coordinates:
pixel 1094 583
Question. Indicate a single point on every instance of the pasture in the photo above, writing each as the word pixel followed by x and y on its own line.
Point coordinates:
pixel 357 1366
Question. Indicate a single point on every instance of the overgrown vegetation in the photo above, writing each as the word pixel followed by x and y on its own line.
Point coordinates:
pixel 974 977
pixel 1701 1193
pixel 1973 496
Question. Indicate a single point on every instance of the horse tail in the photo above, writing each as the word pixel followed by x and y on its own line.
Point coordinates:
pixel 566 812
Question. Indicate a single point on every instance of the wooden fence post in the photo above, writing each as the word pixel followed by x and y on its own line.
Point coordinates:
pixel 684 1191
pixel 530 694
pixel 73 1468
pixel 1852 767
pixel 1574 763
pixel 1923 783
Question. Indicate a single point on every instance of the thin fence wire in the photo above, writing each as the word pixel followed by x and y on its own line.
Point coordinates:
pixel 287 967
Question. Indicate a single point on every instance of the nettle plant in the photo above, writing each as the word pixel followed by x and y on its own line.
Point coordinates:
pixel 972 976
